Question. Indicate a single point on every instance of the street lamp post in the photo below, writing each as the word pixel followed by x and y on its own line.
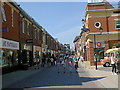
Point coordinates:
pixel 100 29
pixel 95 51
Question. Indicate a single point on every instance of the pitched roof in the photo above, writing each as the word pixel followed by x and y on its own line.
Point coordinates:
pixel 76 38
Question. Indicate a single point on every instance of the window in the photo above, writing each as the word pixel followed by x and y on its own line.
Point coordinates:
pixel 118 24
pixel 23 26
pixel 3 14
pixel 38 36
pixel 12 17
pixel 97 24
pixel 28 28
pixel 35 33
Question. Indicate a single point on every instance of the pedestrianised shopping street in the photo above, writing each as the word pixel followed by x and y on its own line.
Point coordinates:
pixel 60 44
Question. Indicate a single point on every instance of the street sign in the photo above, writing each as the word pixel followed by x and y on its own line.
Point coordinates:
pixel 29 41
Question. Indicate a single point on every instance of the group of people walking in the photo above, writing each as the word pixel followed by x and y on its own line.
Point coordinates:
pixel 48 59
pixel 68 63
pixel 63 63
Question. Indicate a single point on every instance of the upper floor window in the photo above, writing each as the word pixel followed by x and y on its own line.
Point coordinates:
pixel 35 33
pixel 38 35
pixel 3 14
pixel 117 24
pixel 28 25
pixel 12 17
pixel 23 26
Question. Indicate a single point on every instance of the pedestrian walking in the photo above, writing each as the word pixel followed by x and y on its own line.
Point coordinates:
pixel 113 63
pixel 76 66
pixel 35 63
pixel 81 58
pixel 75 63
pixel 70 66
pixel 58 64
pixel 43 59
pixel 52 61
pixel 64 65
pixel 49 61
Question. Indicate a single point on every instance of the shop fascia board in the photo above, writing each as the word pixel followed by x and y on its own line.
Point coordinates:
pixel 90 36
pixel 104 33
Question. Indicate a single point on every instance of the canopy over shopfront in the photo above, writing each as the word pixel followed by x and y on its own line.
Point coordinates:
pixel 112 50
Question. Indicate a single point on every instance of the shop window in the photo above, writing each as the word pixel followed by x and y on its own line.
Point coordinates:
pixel 118 24
pixel 3 14
pixel 12 17
pixel 2 54
pixel 23 26
pixel 99 54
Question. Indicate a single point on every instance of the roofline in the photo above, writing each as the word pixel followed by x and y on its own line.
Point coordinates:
pixel 97 3
pixel 25 14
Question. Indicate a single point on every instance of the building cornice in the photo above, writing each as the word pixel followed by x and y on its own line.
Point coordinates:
pixel 101 10
pixel 104 33
pixel 97 3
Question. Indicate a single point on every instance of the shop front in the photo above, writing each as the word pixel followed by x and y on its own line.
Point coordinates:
pixel 99 51
pixel 8 54
pixel 26 55
pixel 37 54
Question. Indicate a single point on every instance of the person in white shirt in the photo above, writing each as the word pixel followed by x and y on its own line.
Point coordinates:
pixel 113 63
pixel 81 58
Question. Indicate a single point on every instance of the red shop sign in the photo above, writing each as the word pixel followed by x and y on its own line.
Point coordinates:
pixel 99 44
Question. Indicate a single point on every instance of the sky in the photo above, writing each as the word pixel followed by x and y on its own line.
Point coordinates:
pixel 62 20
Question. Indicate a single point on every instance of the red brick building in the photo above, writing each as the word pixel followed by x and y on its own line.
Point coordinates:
pixel 22 38
pixel 10 35
pixel 101 16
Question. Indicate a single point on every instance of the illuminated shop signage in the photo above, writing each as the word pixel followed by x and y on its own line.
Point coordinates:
pixel 9 44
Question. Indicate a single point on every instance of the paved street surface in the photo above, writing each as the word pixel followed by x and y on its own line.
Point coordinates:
pixel 50 78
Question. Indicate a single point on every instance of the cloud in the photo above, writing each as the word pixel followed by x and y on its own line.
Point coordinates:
pixel 68 36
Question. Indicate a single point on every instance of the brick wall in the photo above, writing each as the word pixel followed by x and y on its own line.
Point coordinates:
pixel 12 33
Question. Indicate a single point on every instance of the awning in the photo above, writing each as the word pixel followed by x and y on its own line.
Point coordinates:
pixel 112 50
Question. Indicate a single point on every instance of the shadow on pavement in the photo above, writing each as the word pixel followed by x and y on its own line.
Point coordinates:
pixel 50 77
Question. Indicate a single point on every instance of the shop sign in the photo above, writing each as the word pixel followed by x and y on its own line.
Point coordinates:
pixel 36 48
pixel 9 44
pixel 29 41
pixel 100 44
pixel 27 47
